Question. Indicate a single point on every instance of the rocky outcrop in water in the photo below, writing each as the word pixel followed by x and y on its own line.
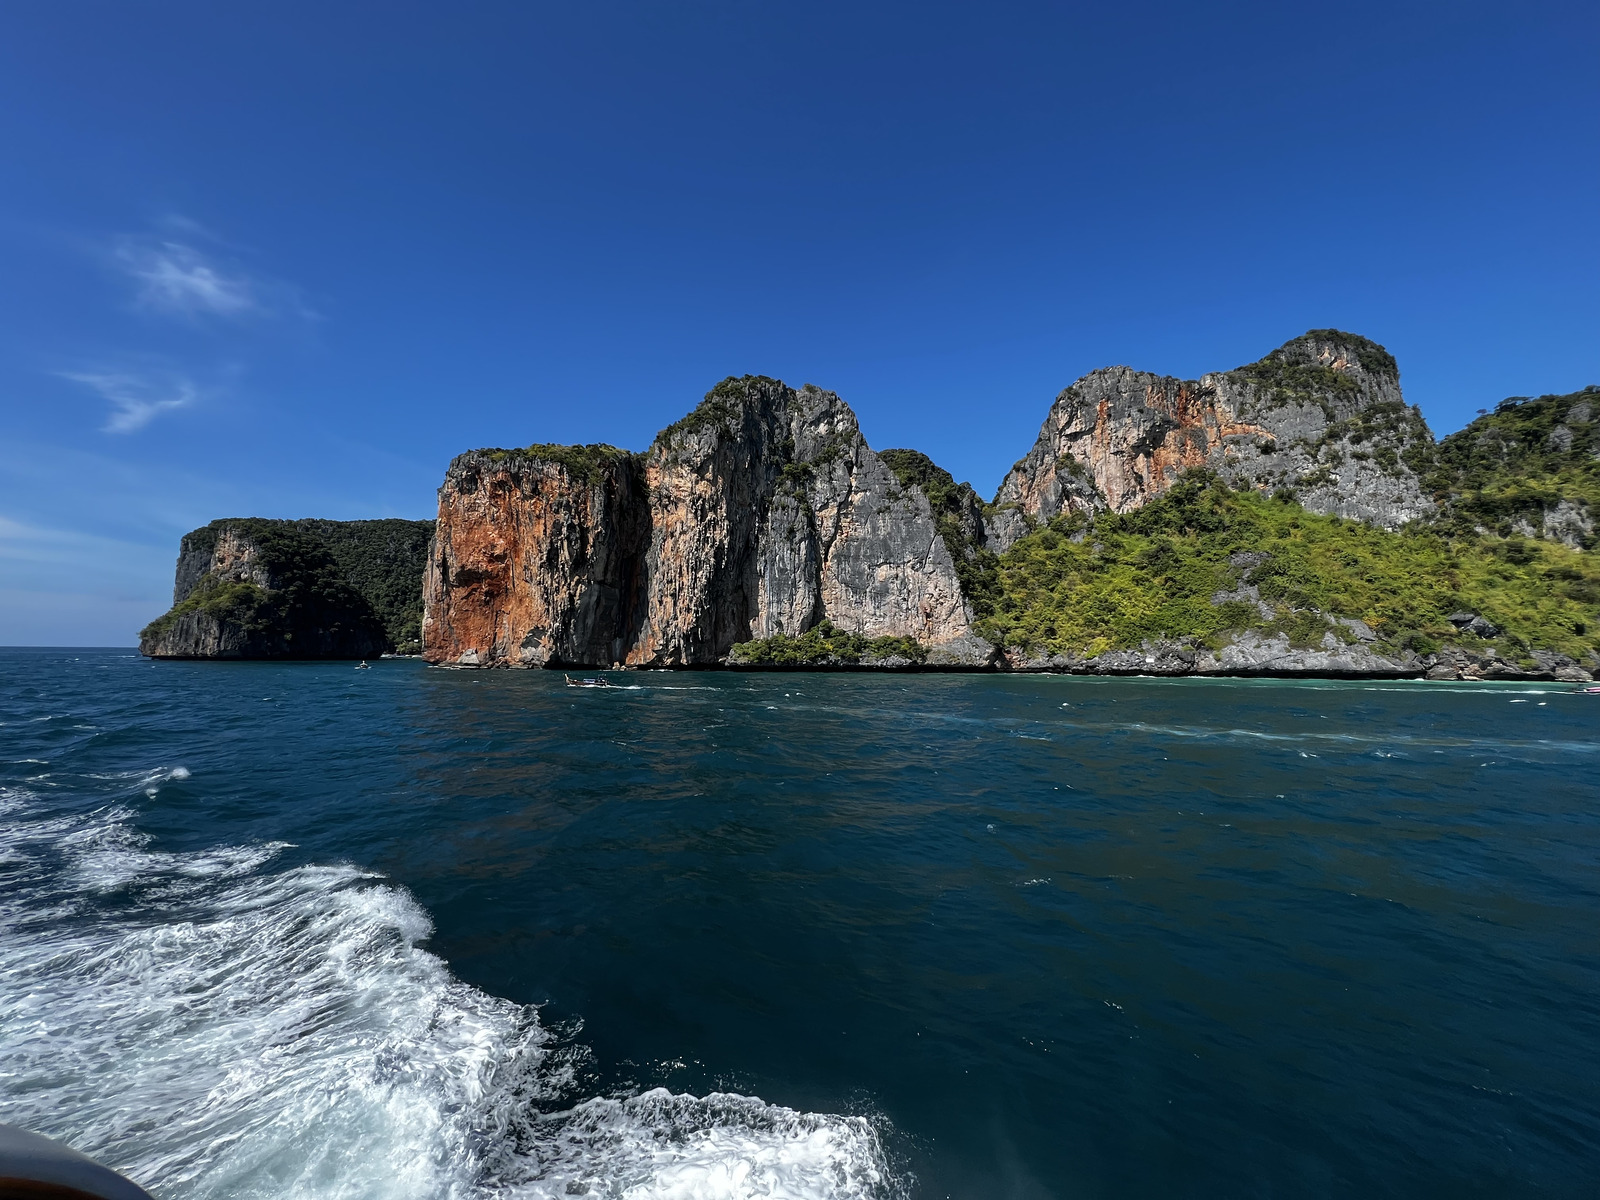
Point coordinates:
pixel 255 588
pixel 1321 419
pixel 261 589
pixel 762 513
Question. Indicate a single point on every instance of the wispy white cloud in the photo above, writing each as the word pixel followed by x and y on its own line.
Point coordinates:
pixel 175 276
pixel 136 400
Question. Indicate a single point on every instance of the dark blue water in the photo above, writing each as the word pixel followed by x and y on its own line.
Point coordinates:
pixel 798 935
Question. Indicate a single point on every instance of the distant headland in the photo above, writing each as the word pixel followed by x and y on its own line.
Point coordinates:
pixel 1290 517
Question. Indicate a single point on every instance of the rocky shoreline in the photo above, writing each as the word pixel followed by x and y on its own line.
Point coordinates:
pixel 1268 660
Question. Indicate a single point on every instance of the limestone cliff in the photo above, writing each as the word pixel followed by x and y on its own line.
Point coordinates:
pixel 762 512
pixel 1321 419
pixel 537 557
pixel 251 588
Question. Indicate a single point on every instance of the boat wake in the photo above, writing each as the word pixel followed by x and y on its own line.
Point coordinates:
pixel 219 1024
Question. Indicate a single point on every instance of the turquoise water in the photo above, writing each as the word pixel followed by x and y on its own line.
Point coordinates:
pixel 302 930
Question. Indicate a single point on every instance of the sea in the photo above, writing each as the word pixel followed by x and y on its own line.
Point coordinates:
pixel 303 930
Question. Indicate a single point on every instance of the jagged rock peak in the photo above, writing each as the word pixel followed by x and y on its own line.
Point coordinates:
pixel 763 511
pixel 1300 364
pixel 1320 418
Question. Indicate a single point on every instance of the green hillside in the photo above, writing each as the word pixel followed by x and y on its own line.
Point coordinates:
pixel 1531 466
pixel 1174 569
pixel 1519 490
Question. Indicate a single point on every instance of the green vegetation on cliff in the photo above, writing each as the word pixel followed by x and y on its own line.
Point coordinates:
pixel 721 407
pixel 242 604
pixel 1182 567
pixel 1290 375
pixel 826 646
pixel 383 560
pixel 309 597
pixel 1532 466
pixel 587 464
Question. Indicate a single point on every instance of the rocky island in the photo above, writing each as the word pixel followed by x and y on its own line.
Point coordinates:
pixel 255 588
pixel 1292 516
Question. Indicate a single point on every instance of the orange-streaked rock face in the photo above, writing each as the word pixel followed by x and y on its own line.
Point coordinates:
pixel 1128 436
pixel 1201 423
pixel 533 563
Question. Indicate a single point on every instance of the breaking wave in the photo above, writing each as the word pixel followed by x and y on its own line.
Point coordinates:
pixel 219 1024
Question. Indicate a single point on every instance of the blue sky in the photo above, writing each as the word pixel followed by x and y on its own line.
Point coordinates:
pixel 286 260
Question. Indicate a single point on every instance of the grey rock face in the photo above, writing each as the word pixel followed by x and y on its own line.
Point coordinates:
pixel 768 513
pixel 1472 623
pixel 886 572
pixel 789 566
pixel 1251 653
pixel 230 556
pixel 200 634
pixel 1245 593
pixel 1322 416
pixel 1567 522
pixel 194 563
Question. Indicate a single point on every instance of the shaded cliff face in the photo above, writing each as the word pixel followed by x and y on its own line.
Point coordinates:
pixel 762 512
pixel 253 588
pixel 1321 418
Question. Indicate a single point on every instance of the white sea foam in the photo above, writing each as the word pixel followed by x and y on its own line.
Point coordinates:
pixel 216 1024
pixel 717 1147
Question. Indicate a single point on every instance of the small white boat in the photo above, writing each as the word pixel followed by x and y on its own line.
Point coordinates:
pixel 363 666
pixel 590 683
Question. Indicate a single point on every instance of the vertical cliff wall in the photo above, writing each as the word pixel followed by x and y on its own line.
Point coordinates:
pixel 763 511
pixel 1322 417
pixel 536 557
